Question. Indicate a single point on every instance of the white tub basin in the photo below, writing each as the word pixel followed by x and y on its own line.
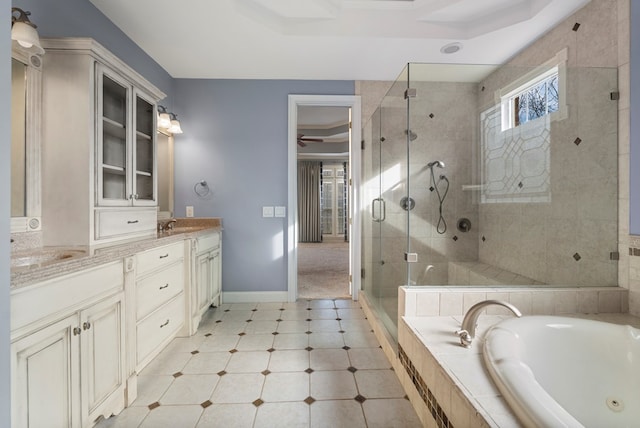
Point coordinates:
pixel 566 372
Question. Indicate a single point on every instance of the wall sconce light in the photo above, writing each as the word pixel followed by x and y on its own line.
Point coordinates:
pixel 175 124
pixel 168 121
pixel 164 120
pixel 24 31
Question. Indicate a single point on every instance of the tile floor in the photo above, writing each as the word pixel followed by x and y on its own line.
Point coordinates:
pixel 306 364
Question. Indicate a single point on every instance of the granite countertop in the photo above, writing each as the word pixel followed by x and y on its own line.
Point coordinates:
pixel 57 261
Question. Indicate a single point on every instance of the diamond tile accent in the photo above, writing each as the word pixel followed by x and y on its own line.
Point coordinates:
pixel 352 369
pixel 233 351
pixel 281 309
pixel 576 26
pixel 221 373
pixel 520 185
pixel 275 333
pixel 455 238
pixel 309 348
pixel 309 370
pixel 432 188
pixel 249 320
pixel 227 310
pixel 195 352
pixel 484 239
pixel 258 402
pixel 279 319
pixel 218 321
pixel 307 332
pixel 360 399
pixel 346 348
pixel 207 335
pixel 577 257
pixel 265 372
pixel 241 334
pixel 153 405
pixel 206 404
pixel 577 141
pixel 270 350
pixel 431 115
pixel 340 331
pixel 253 310
pixel 308 319
pixel 177 374
pixel 338 319
pixel 309 309
pixel 309 400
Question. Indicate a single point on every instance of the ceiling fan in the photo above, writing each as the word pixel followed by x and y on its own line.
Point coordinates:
pixel 302 140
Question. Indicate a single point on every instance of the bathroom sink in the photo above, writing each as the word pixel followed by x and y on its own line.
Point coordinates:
pixel 43 257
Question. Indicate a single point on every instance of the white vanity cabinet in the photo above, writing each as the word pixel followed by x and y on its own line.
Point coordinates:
pixel 207 287
pixel 67 349
pixel 160 311
pixel 99 181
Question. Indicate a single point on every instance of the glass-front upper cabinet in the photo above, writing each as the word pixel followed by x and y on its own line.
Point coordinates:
pixel 126 143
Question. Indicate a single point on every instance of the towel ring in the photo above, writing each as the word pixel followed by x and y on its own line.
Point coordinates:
pixel 201 188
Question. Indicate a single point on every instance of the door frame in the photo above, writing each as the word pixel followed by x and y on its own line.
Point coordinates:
pixel 352 101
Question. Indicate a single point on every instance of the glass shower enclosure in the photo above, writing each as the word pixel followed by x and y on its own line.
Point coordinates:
pixel 481 175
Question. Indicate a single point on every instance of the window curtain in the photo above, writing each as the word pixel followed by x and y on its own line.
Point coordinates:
pixel 309 226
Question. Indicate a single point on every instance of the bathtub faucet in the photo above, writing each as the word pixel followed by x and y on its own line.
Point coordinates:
pixel 468 330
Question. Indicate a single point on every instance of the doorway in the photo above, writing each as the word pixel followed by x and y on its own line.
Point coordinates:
pixel 349 156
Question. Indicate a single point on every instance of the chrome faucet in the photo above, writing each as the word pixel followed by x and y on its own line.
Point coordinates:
pixel 468 330
pixel 168 225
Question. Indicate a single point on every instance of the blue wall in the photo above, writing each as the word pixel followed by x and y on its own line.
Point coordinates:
pixel 235 138
pixel 80 18
pixel 634 112
pixel 5 199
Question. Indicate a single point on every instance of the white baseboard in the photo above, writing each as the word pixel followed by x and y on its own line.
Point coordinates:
pixel 254 296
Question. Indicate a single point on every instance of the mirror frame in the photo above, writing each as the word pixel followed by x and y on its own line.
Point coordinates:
pixel 33 136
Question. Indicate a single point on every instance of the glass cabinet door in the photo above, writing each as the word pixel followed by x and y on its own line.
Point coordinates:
pixel 144 152
pixel 113 155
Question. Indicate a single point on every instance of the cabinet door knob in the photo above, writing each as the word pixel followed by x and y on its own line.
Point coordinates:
pixel 76 331
pixel 86 325
pixel 165 324
pixel 164 286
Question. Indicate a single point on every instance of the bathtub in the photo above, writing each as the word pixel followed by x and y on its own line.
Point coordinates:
pixel 566 372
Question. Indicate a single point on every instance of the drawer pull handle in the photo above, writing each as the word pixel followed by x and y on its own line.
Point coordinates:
pixel 164 286
pixel 76 331
pixel 132 221
pixel 165 324
pixel 86 325
pixel 165 256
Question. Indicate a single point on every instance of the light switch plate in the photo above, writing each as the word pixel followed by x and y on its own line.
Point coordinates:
pixel 267 211
pixel 189 212
pixel 280 211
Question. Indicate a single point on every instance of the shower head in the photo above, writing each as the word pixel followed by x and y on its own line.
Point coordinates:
pixel 412 135
pixel 437 163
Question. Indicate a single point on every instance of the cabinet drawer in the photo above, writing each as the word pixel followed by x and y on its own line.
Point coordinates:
pixel 114 223
pixel 208 242
pixel 159 288
pixel 158 258
pixel 159 326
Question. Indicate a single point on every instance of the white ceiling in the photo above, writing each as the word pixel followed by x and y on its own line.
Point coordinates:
pixel 328 39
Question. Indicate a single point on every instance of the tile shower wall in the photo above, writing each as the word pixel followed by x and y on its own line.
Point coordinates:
pixel 569 238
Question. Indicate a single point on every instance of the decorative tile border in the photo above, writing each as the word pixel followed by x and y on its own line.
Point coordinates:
pixel 442 420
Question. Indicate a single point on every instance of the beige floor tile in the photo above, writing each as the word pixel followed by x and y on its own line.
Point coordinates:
pixel 167 363
pixel 286 386
pixel 293 326
pixel 289 360
pixel 326 340
pixel 337 414
pixel 190 389
pixel 379 384
pixel 395 413
pixel 255 342
pixel 322 304
pixel 291 341
pixel 324 326
pixel 280 415
pixel 218 343
pixel 128 418
pixel 207 363
pixel 329 359
pixel 172 417
pixel 238 388
pixel 332 385
pixel 228 415
pixel 248 362
pixel 366 358
pixel 323 314
pixel 151 388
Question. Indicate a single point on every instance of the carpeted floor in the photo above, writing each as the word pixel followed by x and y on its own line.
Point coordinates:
pixel 323 270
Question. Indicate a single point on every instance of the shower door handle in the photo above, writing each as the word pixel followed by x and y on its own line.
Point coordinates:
pixel 382 210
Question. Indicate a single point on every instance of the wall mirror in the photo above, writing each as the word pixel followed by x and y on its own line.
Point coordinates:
pixel 165 175
pixel 26 114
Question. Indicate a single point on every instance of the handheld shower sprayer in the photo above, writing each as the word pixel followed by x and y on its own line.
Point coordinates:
pixel 441 227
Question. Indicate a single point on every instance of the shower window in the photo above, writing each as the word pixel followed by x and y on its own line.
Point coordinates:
pixel 536 101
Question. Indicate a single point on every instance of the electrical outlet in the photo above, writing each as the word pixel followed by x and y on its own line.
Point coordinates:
pixel 267 211
pixel 280 211
pixel 189 211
